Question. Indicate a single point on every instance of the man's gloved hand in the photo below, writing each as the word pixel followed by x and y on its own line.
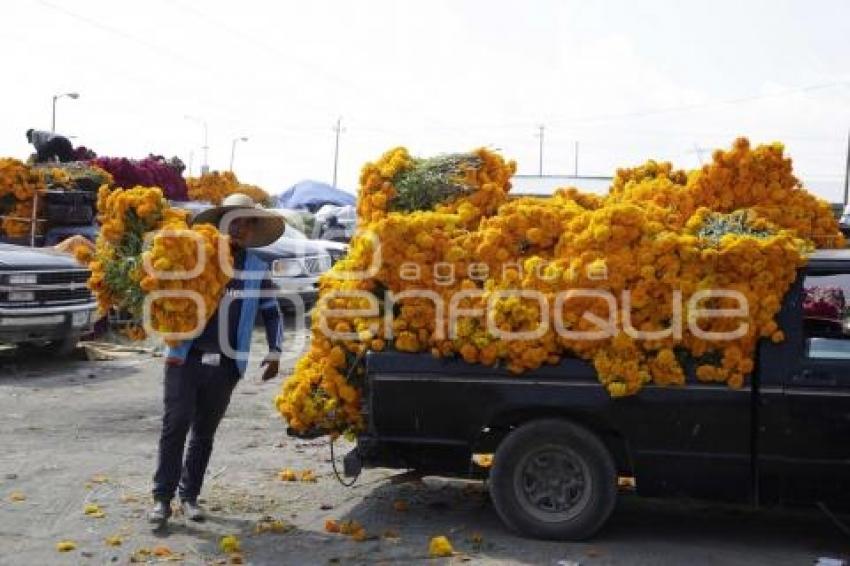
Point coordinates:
pixel 272 365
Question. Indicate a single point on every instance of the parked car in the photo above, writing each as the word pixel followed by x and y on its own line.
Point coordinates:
pixel 560 441
pixel 296 264
pixel 844 222
pixel 44 300
pixel 335 223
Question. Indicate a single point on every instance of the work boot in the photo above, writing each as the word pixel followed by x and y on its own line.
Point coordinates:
pixel 161 512
pixel 193 511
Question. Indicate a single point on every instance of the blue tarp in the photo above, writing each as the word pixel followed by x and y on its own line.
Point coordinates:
pixel 312 195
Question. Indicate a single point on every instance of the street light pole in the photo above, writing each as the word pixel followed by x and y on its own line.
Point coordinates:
pixel 338 129
pixel 205 167
pixel 71 95
pixel 233 150
pixel 847 174
pixel 540 129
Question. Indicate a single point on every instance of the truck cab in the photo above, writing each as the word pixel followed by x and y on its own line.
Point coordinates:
pixel 44 300
pixel 559 442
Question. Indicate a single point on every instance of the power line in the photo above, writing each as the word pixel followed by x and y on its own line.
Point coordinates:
pixel 256 39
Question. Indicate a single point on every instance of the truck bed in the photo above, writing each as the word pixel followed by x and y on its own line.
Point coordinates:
pixel 432 414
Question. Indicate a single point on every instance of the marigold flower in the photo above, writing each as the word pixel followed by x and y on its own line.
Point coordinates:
pixel 229 543
pixel 439 547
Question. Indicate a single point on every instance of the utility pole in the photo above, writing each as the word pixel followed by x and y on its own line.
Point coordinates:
pixel 847 174
pixel 698 151
pixel 540 129
pixel 575 170
pixel 205 166
pixel 233 150
pixel 338 129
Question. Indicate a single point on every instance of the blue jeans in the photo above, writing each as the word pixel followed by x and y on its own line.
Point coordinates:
pixel 196 397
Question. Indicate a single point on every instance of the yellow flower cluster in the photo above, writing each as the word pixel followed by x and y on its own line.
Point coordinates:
pixel 634 259
pixel 126 266
pixel 483 174
pixel 214 186
pixel 125 216
pixel 69 176
pixel 18 184
pixel 178 248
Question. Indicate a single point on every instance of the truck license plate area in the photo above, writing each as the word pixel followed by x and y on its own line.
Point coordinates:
pixel 33 320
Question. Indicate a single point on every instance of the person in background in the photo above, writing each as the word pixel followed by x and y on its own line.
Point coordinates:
pixel 50 147
pixel 199 373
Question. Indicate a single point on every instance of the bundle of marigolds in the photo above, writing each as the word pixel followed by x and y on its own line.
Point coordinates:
pixel 214 186
pixel 618 280
pixel 18 184
pixel 146 246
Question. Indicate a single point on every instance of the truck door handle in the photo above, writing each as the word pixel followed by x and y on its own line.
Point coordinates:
pixel 813 377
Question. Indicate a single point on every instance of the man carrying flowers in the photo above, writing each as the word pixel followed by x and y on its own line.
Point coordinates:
pixel 200 373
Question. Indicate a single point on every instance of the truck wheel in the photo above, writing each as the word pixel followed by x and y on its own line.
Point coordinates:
pixel 552 479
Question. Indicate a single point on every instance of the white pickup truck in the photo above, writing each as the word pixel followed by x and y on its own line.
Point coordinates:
pixel 44 300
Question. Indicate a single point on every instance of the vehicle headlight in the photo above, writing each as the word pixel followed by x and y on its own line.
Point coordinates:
pixel 80 318
pixel 24 296
pixel 287 268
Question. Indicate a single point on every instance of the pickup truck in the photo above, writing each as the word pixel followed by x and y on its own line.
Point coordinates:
pixel 44 300
pixel 559 442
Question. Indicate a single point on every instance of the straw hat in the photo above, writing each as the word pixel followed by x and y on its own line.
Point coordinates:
pixel 270 225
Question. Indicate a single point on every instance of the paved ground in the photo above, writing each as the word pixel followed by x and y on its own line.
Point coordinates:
pixel 85 432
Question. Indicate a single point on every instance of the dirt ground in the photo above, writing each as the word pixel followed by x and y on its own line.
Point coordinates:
pixel 81 432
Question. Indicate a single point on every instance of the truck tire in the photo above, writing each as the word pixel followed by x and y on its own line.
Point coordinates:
pixel 552 479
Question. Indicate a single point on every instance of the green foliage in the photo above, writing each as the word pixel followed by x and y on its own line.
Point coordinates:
pixel 739 222
pixel 432 181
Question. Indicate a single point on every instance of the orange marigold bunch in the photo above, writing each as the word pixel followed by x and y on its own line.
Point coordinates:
pixel 179 251
pixel 215 186
pixel 143 246
pixel 212 187
pixel 18 184
pixel 471 184
pixel 740 224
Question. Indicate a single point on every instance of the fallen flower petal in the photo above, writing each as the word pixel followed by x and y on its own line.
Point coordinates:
pixel 440 547
pixel 162 551
pixel 114 540
pixel 229 544
pixel 66 545
pixel 332 526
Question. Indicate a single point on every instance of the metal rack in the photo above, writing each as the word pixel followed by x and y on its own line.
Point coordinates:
pixel 33 219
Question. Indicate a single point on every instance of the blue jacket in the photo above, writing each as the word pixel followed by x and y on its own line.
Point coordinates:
pixel 251 304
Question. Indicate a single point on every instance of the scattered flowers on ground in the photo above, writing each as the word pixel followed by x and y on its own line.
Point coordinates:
pixel 440 547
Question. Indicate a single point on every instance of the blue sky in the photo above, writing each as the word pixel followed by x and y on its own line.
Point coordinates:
pixel 627 80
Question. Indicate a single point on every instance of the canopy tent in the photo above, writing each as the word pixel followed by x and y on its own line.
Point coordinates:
pixel 312 195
